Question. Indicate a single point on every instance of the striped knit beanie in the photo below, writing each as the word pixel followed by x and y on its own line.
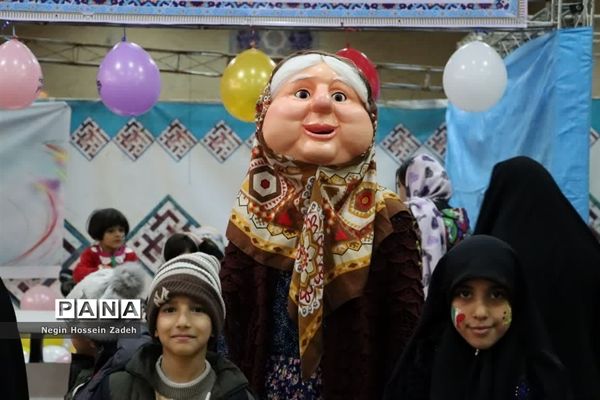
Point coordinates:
pixel 195 275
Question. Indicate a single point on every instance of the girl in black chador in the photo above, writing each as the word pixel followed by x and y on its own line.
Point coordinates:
pixel 480 337
pixel 524 206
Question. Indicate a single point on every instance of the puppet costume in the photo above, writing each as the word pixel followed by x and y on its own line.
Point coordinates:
pixel 321 277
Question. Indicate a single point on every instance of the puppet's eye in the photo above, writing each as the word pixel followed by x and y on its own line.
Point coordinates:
pixel 302 94
pixel 339 97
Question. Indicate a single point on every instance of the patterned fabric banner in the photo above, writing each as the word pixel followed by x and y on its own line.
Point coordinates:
pixel 322 13
pixel 181 164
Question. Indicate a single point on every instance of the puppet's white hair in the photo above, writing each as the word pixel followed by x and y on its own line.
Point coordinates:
pixel 301 62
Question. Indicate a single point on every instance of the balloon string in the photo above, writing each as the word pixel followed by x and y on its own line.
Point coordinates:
pixel 346 34
pixel 253 38
pixel 124 38
pixel 479 34
pixel 14 33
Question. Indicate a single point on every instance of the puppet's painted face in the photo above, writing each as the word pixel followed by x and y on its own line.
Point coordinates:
pixel 481 312
pixel 317 118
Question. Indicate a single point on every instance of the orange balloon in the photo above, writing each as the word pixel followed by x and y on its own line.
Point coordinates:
pixel 243 81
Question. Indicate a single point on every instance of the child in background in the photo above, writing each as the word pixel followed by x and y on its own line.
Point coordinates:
pixel 98 354
pixel 205 239
pixel 108 227
pixel 481 337
pixel 184 310
pixel 424 185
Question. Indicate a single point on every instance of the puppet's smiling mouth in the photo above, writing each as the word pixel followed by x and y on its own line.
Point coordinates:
pixel 320 130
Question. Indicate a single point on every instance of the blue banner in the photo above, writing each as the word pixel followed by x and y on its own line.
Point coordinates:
pixel 544 114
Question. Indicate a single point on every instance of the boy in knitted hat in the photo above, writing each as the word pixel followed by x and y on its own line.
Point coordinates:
pixel 184 310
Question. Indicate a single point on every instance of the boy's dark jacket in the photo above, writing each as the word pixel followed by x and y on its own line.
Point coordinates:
pixel 90 373
pixel 135 382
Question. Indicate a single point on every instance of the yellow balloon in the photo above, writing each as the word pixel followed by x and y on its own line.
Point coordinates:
pixel 243 81
pixel 25 342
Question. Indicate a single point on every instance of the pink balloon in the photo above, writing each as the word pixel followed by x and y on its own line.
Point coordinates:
pixel 20 76
pixel 128 80
pixel 39 298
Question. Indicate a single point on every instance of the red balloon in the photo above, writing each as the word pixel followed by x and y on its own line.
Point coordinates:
pixel 365 65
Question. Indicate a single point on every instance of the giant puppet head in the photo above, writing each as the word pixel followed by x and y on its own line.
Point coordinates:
pixel 319 111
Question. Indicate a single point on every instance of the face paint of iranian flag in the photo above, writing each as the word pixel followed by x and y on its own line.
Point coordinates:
pixel 507 316
pixel 458 316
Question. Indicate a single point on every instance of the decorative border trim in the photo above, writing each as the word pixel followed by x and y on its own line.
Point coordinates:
pixel 515 16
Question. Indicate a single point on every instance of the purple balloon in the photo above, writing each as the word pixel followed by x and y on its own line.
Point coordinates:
pixel 128 80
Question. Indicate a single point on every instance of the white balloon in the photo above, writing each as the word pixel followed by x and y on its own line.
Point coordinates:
pixel 56 354
pixel 475 77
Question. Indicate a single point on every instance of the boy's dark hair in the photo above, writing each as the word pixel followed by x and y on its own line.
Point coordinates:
pixel 181 243
pixel 177 244
pixel 209 247
pixel 101 220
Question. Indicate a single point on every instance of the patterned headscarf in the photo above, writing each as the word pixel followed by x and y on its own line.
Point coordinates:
pixel 426 180
pixel 320 222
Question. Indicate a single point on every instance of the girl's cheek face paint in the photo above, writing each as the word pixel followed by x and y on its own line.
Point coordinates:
pixel 507 316
pixel 458 316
